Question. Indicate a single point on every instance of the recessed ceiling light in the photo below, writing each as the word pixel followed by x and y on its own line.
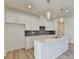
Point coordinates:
pixel 29 6
pixel 66 11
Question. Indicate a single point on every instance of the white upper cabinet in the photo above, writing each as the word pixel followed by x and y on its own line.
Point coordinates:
pixel 15 17
pixel 34 24
pixel 42 21
pixel 10 16
pixel 47 23
pixel 49 26
pixel 31 22
pixel 21 18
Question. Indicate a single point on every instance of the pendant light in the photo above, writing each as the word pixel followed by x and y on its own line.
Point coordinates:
pixel 61 20
pixel 48 14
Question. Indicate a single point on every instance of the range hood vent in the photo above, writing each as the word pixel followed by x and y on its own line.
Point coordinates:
pixel 42 28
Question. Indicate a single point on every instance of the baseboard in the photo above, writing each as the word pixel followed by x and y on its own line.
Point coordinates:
pixel 4 57
pixel 71 43
pixel 29 48
pixel 15 49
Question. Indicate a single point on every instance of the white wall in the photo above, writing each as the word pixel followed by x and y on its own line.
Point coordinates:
pixel 69 28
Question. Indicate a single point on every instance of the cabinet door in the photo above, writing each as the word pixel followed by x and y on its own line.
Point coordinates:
pixel 28 22
pixel 43 21
pixel 34 24
pixel 29 42
pixel 21 18
pixel 10 16
pixel 49 26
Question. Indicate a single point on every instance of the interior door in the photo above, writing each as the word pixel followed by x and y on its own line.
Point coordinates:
pixel 60 29
pixel 14 38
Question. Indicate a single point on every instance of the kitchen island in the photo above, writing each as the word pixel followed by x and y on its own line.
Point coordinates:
pixel 50 48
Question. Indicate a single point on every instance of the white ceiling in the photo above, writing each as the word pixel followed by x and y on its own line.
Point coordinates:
pixel 40 7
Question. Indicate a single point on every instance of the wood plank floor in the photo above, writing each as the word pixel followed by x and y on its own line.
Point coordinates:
pixel 29 54
pixel 69 54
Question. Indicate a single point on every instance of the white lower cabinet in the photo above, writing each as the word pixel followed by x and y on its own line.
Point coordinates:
pixel 29 42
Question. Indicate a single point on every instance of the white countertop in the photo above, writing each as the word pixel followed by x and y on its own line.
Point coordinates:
pixel 49 40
